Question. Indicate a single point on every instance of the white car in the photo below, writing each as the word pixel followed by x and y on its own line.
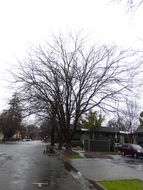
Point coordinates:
pixel 27 139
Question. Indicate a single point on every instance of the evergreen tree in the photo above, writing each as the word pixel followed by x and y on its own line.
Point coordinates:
pixel 92 121
pixel 11 118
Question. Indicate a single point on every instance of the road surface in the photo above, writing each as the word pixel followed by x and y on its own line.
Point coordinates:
pixel 118 167
pixel 23 166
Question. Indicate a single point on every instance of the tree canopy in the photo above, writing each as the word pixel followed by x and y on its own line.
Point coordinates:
pixel 10 119
pixel 92 121
pixel 66 78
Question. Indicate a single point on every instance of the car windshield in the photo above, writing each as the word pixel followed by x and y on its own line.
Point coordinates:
pixel 136 146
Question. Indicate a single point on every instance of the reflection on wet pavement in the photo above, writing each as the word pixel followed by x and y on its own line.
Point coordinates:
pixel 137 164
pixel 23 166
pixel 4 157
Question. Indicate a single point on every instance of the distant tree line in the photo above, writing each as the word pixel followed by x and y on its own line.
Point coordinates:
pixel 10 119
pixel 11 122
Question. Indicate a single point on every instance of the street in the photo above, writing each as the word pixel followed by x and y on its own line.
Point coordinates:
pixel 23 166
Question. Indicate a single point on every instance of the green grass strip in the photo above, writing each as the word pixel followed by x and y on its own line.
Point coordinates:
pixel 134 184
pixel 73 155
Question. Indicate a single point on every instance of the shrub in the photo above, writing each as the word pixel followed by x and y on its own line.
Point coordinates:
pixel 76 143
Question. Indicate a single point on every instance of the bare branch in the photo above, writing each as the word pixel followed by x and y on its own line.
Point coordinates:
pixel 69 80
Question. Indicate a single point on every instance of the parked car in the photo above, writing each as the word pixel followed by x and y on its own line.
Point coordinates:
pixel 27 139
pixel 131 149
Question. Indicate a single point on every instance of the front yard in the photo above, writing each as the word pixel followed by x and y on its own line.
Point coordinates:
pixel 72 155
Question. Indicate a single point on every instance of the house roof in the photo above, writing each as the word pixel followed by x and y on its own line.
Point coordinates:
pixel 139 130
pixel 107 129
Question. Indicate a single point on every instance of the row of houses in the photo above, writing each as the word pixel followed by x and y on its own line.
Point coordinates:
pixel 107 137
pixel 102 134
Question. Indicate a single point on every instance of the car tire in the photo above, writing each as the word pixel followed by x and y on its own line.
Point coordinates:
pixel 135 155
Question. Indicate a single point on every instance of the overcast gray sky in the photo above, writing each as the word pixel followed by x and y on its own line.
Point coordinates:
pixel 23 22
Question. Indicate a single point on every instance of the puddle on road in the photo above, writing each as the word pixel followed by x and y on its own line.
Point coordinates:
pixel 136 165
pixel 4 158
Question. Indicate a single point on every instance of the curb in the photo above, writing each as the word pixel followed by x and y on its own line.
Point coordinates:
pixel 66 161
pixel 69 167
pixel 62 157
pixel 97 185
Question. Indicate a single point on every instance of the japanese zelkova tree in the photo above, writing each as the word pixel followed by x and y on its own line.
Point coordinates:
pixel 67 77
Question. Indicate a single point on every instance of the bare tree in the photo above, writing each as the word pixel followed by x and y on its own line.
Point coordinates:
pixel 68 79
pixel 130 115
pixel 141 120
pixel 118 123
pixel 132 5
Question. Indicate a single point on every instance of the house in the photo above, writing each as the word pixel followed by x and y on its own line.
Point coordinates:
pixel 139 136
pixel 105 132
pixel 104 138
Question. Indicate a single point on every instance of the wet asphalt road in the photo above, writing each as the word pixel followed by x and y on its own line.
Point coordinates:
pixel 127 161
pixel 23 166
pixel 119 167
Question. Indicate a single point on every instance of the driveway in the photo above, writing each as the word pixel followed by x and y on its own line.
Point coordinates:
pixel 118 167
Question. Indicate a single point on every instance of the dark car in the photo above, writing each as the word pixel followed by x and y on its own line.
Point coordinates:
pixel 131 149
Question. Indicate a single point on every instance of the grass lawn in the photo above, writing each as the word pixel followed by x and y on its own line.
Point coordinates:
pixel 72 155
pixel 134 184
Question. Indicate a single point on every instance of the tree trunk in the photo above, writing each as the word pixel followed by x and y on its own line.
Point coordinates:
pixel 68 146
pixel 60 142
pixel 53 135
pixel 93 136
pixel 4 138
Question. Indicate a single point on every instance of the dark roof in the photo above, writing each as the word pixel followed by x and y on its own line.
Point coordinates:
pixel 139 130
pixel 107 129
